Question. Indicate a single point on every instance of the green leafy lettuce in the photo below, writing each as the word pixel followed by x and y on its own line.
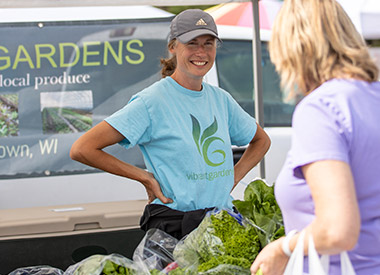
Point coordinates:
pixel 260 208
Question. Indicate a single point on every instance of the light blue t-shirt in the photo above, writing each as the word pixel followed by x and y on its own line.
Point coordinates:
pixel 185 137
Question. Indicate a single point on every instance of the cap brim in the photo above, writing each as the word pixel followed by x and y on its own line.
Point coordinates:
pixel 186 37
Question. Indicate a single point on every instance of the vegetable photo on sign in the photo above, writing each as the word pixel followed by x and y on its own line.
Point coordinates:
pixel 9 115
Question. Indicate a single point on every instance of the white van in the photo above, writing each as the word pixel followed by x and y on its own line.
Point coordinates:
pixel 63 71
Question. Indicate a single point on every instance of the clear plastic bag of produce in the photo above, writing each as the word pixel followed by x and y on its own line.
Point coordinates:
pixel 228 243
pixel 222 244
pixel 155 252
pixel 114 264
pixel 37 270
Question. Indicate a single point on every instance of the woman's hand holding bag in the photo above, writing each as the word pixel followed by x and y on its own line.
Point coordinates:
pixel 317 265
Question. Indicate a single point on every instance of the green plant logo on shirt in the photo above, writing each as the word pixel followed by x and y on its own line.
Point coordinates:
pixel 203 140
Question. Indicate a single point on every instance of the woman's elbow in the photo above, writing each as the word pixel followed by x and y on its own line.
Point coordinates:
pixel 76 152
pixel 265 142
pixel 343 240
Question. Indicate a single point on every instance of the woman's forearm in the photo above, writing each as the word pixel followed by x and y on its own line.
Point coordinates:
pixel 88 149
pixel 99 159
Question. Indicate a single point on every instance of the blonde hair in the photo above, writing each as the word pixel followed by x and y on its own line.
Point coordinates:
pixel 314 41
pixel 169 64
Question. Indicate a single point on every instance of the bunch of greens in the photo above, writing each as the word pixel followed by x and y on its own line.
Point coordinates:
pixel 261 210
pixel 223 245
pixel 218 241
pixel 240 243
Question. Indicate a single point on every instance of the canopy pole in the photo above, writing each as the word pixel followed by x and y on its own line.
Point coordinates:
pixel 257 76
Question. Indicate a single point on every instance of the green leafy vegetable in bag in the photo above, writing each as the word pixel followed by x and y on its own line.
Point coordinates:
pixel 260 208
pixel 219 240
pixel 225 243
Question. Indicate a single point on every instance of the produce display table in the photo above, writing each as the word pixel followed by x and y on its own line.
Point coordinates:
pixel 60 236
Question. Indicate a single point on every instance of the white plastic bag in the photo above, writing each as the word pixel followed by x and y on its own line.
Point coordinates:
pixel 317 265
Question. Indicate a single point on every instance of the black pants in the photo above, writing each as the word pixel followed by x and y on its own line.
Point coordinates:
pixel 174 222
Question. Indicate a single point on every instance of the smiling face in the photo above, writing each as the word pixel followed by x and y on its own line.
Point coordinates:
pixel 194 60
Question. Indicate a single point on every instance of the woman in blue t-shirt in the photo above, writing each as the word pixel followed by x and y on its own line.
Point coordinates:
pixel 185 129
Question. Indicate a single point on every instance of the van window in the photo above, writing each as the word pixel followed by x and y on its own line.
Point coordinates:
pixel 234 67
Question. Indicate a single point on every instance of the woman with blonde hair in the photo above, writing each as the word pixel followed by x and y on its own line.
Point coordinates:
pixel 329 186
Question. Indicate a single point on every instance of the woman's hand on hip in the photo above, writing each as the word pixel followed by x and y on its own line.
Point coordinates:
pixel 153 190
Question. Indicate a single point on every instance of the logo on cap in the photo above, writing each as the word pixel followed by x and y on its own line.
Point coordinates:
pixel 201 22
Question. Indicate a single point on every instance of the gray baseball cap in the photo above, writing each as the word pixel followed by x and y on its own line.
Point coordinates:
pixel 192 23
